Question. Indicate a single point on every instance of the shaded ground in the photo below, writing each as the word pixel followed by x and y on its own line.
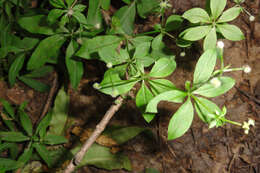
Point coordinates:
pixel 200 150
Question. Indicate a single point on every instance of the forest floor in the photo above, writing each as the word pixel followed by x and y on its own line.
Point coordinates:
pixel 200 150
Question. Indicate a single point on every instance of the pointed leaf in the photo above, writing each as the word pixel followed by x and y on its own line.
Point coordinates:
pixel 209 90
pixel 40 72
pixel 196 15
pixel 57 3
pixel 231 32
pixel 142 50
pixel 195 33
pixel 25 157
pixel 38 86
pixel 13 136
pixel 210 40
pixel 163 67
pixel 230 14
pixel 8 164
pixel 94 17
pixel 43 152
pixel 181 120
pixel 54 14
pixel 105 4
pixel 173 22
pixel 217 7
pixel 42 126
pixel 26 122
pixel 159 86
pixel 15 69
pixel 146 7
pixel 51 139
pixel 205 66
pixel 8 108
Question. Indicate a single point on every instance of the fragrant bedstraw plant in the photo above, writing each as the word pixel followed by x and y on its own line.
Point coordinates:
pixel 36 139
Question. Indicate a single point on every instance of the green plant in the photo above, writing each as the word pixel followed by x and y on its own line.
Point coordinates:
pixel 21 130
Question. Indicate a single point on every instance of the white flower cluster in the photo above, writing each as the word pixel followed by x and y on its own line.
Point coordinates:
pixel 165 4
pixel 246 125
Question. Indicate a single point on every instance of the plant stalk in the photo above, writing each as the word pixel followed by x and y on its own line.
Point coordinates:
pixel 99 129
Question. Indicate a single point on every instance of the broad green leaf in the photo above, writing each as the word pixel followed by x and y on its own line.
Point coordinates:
pixel 15 69
pixel 80 17
pixel 195 33
pixel 94 17
pixel 49 48
pixel 231 32
pixel 113 85
pixel 38 86
pixel 25 157
pixel 51 139
pixel 230 14
pixel 36 24
pixel 123 134
pixel 105 4
pixel 54 14
pixel 159 86
pixel 209 90
pixel 142 50
pixel 175 96
pixel 79 7
pixel 8 164
pixel 142 98
pixel 134 42
pixel 204 107
pixel 163 67
pixel 157 42
pixel 75 67
pixel 59 113
pixel 217 7
pixel 13 136
pixel 90 46
pixel 26 122
pixel 173 22
pixel 110 55
pixel 42 126
pixel 126 15
pixel 197 15
pixel 8 108
pixel 210 40
pixel 159 49
pixel 69 2
pixel 146 7
pixel 43 152
pixel 57 3
pixel 205 66
pixel 101 157
pixel 181 120
pixel 26 43
pixel 40 72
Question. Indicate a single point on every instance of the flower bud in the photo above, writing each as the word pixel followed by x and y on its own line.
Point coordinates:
pixel 251 18
pixel 109 65
pixel 220 44
pixel 247 68
pixel 182 54
pixel 215 82
pixel 96 85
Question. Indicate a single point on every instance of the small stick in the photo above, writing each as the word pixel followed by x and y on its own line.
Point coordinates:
pixel 99 129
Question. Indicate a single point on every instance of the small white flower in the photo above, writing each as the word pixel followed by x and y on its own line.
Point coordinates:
pixel 70 12
pixel 251 18
pixel 220 44
pixel 251 122
pixel 212 124
pixel 165 4
pixel 215 82
pixel 96 85
pixel 246 125
pixel 97 26
pixel 247 68
pixel 109 65
pixel 114 93
pixel 182 54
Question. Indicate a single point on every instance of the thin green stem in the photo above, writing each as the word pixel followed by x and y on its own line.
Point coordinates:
pixel 231 122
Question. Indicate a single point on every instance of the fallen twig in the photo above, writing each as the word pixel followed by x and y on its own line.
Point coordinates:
pixel 99 129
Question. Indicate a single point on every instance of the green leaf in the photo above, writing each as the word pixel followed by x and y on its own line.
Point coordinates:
pixel 41 128
pixel 25 157
pixel 110 55
pixel 96 44
pixel 195 33
pixel 151 170
pixel 13 149
pixel 79 7
pixel 54 14
pixel 59 113
pixel 173 22
pixel 157 42
pixel 231 32
pixel 142 98
pixel 26 122
pixel 36 24
pixel 101 157
pixel 204 107
pixel 105 4
pixel 163 67
pixel 69 2
pixel 175 96
pixel 13 136
pixel 146 7
pixel 209 90
pixel 197 15
pixel 26 43
pixel 49 48
pixel 80 17
pixel 127 1
pixel 181 120
pixel 217 7
pixel 205 66
pixel 139 40
pixel 38 86
pixel 75 68
pixel 142 50
pixel 8 164
pixel 8 108
pixel 113 85
pixel 51 139
pixel 210 40
pixel 94 17
pixel 15 69
pixel 126 15
pixel 57 3
pixel 44 153
pixel 230 14
pixel 40 72
pixel 159 86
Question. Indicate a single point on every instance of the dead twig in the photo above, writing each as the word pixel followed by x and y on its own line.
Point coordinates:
pixel 99 129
